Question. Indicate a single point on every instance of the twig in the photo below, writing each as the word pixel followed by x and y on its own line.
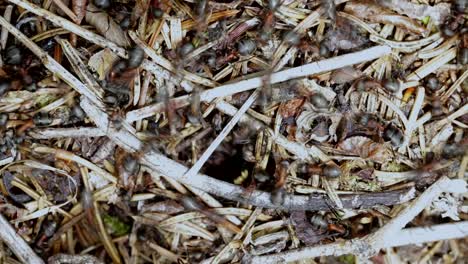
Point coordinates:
pixel 17 244
pixel 444 184
pixel 432 65
pixel 214 145
pixel 406 236
pixel 49 133
pixel 245 85
pixel 419 235
pixel 172 169
pixel 387 236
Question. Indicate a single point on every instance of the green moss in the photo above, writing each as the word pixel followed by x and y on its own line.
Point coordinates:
pixel 115 226
pixel 425 20
pixel 348 259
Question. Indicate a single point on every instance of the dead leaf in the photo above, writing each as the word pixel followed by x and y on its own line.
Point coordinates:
pixel 291 107
pixel 437 12
pixel 101 62
pixel 345 75
pixel 305 231
pixel 167 207
pixel 106 26
pixel 373 12
pixel 79 8
pixel 366 149
pixel 345 36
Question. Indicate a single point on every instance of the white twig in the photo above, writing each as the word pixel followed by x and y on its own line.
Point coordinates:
pixel 49 133
pixel 387 236
pixel 432 65
pixel 16 243
pixel 226 130
pixel 444 184
pixel 407 236
pixel 172 169
pixel 245 85
pixel 428 234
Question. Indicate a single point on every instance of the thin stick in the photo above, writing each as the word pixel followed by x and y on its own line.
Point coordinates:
pixel 78 132
pixel 214 145
pixel 419 235
pixel 245 85
pixel 16 243
pixel 172 169
pixel 384 237
pixel 444 184
pixel 409 236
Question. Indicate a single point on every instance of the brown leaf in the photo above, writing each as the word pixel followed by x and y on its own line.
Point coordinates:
pixel 345 75
pixel 373 12
pixel 141 6
pixel 7 183
pixel 167 207
pixel 400 21
pixel 291 107
pixel 437 12
pixel 79 8
pixel 305 231
pixel 106 26
pixel 345 36
pixel 366 149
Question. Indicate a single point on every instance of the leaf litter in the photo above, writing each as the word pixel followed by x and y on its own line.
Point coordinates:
pixel 116 142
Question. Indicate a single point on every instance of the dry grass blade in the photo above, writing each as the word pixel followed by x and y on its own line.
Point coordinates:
pixel 21 249
pixel 252 131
